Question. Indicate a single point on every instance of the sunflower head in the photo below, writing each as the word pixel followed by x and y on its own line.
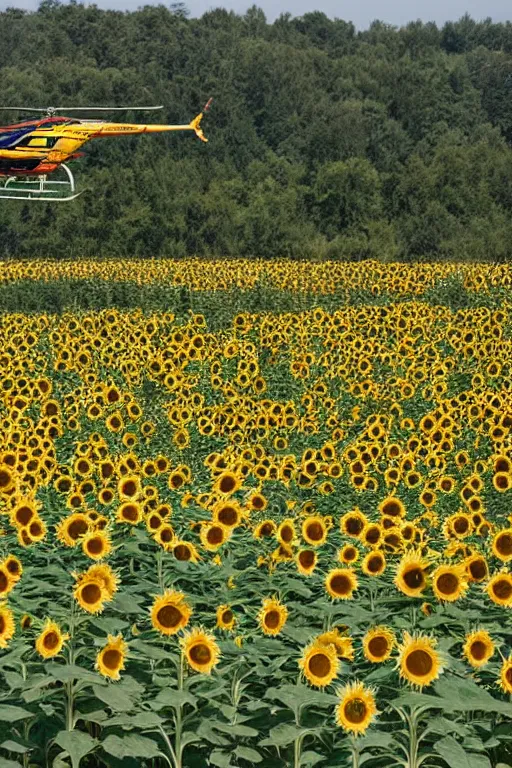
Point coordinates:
pixel 506 675
pixel 340 583
pixel 378 644
pixel 449 582
pixel 342 643
pixel 502 545
pixel 200 650
pixel 170 613
pixel 478 648
pixel 411 574
pixel 96 545
pixel 110 660
pixel 499 589
pixel 90 593
pixel 356 708
pixel 50 641
pixel 225 618
pixel 6 625
pixel 319 663
pixel 272 616
pixel 314 530
pixel 418 660
pixel 306 560
pixel 374 564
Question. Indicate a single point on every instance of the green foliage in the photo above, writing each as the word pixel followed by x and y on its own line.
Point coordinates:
pixel 324 143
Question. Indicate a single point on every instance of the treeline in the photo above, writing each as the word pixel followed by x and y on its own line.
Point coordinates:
pixel 324 142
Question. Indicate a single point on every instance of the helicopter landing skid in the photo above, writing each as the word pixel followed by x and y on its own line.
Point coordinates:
pixel 40 188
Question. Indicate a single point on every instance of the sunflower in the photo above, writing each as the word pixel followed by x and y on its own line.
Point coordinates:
pixel 340 583
pixel 314 530
pixel 185 551
pixel 502 545
pixel 449 582
pixel 227 483
pixel 506 675
pixel 129 488
pixel 106 576
pixel 476 567
pixel 23 513
pixel 72 528
pixel 348 554
pixel 418 660
pixel 90 594
pixel 374 564
pixel 499 589
pixel 225 618
pixel 342 643
pixel 200 650
pixel 319 664
pixel 50 641
pixel 306 560
pixel 129 512
pixel 214 535
pixel 272 616
pixel 356 709
pixel 378 644
pixel 170 612
pixel 478 648
pixel 96 545
pixel 110 660
pixel 6 625
pixel 228 514
pixel 353 523
pixel 14 567
pixel 286 532
pixel 392 507
pixel 411 577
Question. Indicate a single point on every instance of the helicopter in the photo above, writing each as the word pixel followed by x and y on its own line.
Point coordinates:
pixel 32 150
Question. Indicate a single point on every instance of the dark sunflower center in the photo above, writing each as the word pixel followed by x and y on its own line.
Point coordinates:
pixel 502 589
pixel 130 512
pixel 271 619
pixel 504 544
pixel 319 665
pixel 419 663
pixel 215 535
pixel 182 552
pixel 375 564
pixel 95 546
pixel 478 650
pixel 227 617
pixel 508 676
pixel 306 558
pixel 378 646
pixel 129 488
pixel 287 533
pixel 355 711
pixel 112 659
pixel 392 508
pixel 461 525
pixel 51 640
pixel 24 515
pixel 200 654
pixel 2 625
pixel 91 593
pixel 341 584
pixel 448 583
pixel 227 484
pixel 77 528
pixel 354 526
pixel 228 516
pixel 414 578
pixel 478 570
pixel 169 616
pixel 266 529
pixel 4 582
pixel 315 531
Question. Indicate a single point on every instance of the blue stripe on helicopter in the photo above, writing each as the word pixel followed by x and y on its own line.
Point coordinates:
pixel 11 138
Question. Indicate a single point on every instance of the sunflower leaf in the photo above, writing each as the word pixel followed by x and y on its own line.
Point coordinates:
pixel 77 744
pixel 131 745
pixel 247 753
pixel 11 714
pixel 457 757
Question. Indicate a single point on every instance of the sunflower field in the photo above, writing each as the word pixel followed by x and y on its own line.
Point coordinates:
pixel 283 540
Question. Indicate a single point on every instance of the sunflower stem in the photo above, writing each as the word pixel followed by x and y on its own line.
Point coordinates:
pixel 179 714
pixel 70 703
pixel 355 753
pixel 159 563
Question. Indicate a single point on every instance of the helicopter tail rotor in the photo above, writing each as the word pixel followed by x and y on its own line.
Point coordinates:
pixel 196 122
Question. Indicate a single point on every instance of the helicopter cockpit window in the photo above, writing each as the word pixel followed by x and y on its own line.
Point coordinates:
pixel 39 142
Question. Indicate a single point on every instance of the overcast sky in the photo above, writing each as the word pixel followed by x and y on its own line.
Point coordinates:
pixel 361 12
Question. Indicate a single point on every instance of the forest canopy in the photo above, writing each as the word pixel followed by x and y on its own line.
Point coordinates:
pixel 324 142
